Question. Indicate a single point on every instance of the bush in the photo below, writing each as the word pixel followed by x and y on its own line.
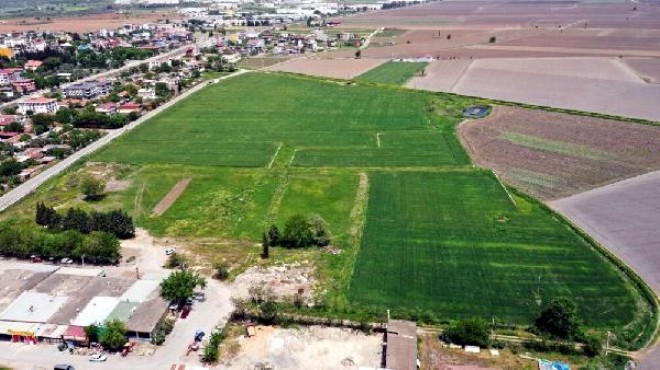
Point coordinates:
pixel 221 271
pixel 492 39
pixel 473 331
pixel 593 346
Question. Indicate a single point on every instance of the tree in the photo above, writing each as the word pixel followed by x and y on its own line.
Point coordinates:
pixel 268 310
pixel 473 331
pixel 559 319
pixel 181 285
pixel 92 332
pixel 92 187
pixel 319 229
pixel 113 337
pixel 162 91
pixel 593 345
pixel 274 235
pixel 297 233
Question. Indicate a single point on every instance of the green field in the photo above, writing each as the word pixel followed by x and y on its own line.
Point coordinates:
pixel 473 252
pixel 394 73
pixel 437 234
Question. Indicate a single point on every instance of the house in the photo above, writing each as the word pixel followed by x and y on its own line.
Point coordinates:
pixel 32 65
pixel 87 90
pixel 107 108
pixel 24 86
pixel 147 94
pixel 38 105
pixel 231 57
pixel 8 75
pixel 130 108
pixel 6 120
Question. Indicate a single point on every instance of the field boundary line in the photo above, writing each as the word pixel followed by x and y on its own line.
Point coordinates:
pixel 270 164
pixel 358 219
pixel 505 189
pixel 280 191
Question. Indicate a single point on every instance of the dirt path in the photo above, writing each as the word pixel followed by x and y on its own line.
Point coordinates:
pixel 171 197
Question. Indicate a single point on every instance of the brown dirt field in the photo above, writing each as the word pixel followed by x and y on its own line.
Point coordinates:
pixel 171 197
pixel 507 14
pixel 553 155
pixel 86 23
pixel 334 68
pixel 647 68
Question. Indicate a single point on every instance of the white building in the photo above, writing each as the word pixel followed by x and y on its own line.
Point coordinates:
pixel 38 105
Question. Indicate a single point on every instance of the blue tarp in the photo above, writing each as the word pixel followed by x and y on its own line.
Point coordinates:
pixel 553 365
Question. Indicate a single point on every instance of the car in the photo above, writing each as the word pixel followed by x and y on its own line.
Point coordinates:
pixel 66 261
pixel 170 251
pixel 98 358
pixel 64 367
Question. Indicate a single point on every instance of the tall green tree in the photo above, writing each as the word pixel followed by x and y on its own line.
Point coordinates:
pixel 297 233
pixel 181 285
pixel 559 319
pixel 113 336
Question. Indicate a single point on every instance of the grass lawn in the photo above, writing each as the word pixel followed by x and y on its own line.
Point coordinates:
pixel 394 73
pixel 419 227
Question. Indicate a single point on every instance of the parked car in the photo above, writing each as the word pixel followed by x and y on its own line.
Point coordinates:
pixel 98 358
pixel 66 261
pixel 170 251
pixel 64 367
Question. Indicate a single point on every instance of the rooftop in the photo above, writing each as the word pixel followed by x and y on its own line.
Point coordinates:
pixel 33 307
pixel 96 311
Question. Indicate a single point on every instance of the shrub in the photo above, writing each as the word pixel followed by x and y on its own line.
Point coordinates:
pixel 473 331
pixel 593 346
pixel 221 271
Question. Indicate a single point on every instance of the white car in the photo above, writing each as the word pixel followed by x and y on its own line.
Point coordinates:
pixel 66 261
pixel 170 251
pixel 98 358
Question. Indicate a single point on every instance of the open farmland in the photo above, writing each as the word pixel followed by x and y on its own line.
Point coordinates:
pixel 587 84
pixel 475 253
pixel 436 234
pixel 83 23
pixel 552 155
pixel 395 73
pixel 344 68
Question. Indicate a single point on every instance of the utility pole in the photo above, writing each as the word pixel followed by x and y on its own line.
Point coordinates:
pixel 82 256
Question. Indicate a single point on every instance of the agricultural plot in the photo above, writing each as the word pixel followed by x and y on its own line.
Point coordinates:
pixel 394 73
pixel 438 235
pixel 456 245
pixel 321 120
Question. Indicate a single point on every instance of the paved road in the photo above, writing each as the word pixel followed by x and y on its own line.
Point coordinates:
pixel 32 184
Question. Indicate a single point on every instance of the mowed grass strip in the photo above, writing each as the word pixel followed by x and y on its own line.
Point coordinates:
pixel 454 244
pixel 394 73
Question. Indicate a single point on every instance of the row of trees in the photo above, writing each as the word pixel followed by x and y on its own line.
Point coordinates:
pixel 558 321
pixel 299 232
pixel 22 242
pixel 115 222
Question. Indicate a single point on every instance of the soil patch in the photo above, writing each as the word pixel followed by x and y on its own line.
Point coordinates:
pixel 171 197
pixel 85 23
pixel 334 68
pixel 313 347
pixel 280 282
pixel 552 155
